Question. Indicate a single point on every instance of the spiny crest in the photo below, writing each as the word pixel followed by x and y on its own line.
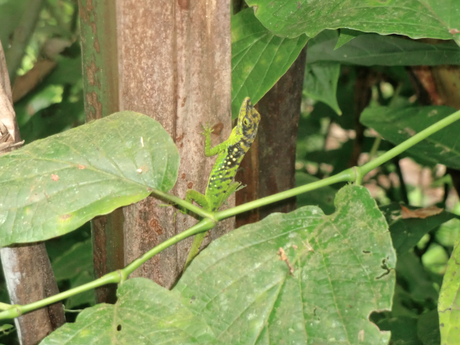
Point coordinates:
pixel 248 120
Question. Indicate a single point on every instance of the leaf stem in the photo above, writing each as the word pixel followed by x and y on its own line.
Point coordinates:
pixel 118 276
pixel 17 310
pixel 348 175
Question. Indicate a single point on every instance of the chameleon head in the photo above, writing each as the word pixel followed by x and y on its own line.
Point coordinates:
pixel 248 119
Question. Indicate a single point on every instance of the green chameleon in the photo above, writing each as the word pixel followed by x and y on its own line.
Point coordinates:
pixel 230 154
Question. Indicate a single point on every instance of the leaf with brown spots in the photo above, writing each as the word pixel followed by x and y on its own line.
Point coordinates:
pixel 52 186
pixel 241 286
pixel 237 291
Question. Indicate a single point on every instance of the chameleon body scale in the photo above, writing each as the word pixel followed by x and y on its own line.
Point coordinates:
pixel 230 154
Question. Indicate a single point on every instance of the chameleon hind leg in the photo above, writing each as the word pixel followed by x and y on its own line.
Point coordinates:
pixel 201 200
pixel 195 248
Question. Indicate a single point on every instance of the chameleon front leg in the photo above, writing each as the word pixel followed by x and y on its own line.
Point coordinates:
pixel 202 201
pixel 208 151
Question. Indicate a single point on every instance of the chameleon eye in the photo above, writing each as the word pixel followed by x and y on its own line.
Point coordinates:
pixel 246 122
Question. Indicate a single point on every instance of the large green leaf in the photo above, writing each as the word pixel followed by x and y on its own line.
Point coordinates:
pixel 238 291
pixel 413 18
pixel 449 301
pixel 342 270
pixel 55 185
pixel 398 125
pixel 145 313
pixel 376 50
pixel 259 58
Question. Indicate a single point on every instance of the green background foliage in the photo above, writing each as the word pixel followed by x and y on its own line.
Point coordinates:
pixel 356 261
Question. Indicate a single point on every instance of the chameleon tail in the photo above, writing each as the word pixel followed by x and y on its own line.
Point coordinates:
pixel 195 248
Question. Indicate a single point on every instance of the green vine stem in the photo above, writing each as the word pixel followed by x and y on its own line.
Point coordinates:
pixel 348 175
pixel 174 200
pixel 404 146
pixel 210 219
pixel 12 311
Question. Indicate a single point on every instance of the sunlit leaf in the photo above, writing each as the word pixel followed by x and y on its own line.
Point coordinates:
pixel 413 18
pixel 55 185
pixel 342 271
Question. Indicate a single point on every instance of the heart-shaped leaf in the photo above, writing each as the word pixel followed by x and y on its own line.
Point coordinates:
pixel 55 185
pixel 296 278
